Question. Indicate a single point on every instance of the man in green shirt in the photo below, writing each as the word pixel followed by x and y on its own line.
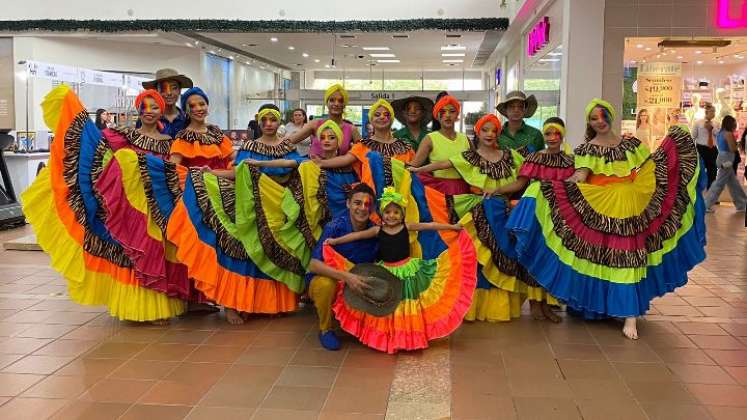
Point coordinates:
pixel 516 133
pixel 414 113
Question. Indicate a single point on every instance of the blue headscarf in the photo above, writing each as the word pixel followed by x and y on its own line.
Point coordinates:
pixel 192 91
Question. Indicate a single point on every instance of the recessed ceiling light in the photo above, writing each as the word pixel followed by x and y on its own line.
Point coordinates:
pixel 699 52
pixel 188 44
pixel 550 60
pixel 453 61
pixel 212 51
pixel 316 60
pixel 304 55
pixel 247 62
pixel 739 57
pixel 452 54
pixel 400 36
pixel 679 57
pixel 639 46
pixel 375 48
pixel 326 66
pixel 555 53
pixel 273 39
pixel 721 61
pixel 658 55
pixel 291 47
pixel 699 62
pixel 648 48
pixel 383 55
pixel 453 48
pixel 387 61
pixel 230 57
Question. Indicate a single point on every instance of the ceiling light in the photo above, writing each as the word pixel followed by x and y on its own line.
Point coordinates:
pixel 400 36
pixel 549 60
pixel 452 54
pixel 273 39
pixel 304 55
pixel 453 48
pixel 648 48
pixel 230 57
pixel 291 47
pixel 188 44
pixel 699 52
pixel 739 56
pixel 452 61
pixel 326 66
pixel 555 53
pixel 248 62
pixel 639 46
pixel 387 61
pixel 658 55
pixel 699 62
pixel 383 55
pixel 679 57
pixel 633 61
pixel 721 61
pixel 316 60
pixel 212 51
pixel 375 48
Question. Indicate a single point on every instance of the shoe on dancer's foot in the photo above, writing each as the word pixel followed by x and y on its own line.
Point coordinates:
pixel 329 340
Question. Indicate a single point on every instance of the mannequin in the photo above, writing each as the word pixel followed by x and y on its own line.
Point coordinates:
pixel 695 113
pixel 723 107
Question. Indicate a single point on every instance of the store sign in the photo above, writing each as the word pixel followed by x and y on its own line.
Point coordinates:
pixel 60 73
pixel 538 37
pixel 727 21
pixel 382 95
pixel 659 92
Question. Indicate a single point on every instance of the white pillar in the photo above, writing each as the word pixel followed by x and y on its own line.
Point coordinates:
pixel 581 71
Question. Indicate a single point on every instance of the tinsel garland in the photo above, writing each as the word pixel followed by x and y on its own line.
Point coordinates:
pixel 224 25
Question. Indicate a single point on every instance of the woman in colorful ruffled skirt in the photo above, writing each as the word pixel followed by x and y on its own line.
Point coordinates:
pixel 626 228
pixel 502 282
pixel 66 214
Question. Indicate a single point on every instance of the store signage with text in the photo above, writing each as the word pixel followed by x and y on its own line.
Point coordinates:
pixel 538 37
pixel 726 20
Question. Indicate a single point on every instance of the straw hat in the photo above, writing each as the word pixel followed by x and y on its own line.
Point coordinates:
pixel 530 103
pixel 163 75
pixel 400 109
pixel 382 296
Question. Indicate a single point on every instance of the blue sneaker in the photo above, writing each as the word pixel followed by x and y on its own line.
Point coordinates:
pixel 329 340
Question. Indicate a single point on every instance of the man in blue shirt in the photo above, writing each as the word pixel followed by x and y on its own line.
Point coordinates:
pixel 323 279
pixel 169 84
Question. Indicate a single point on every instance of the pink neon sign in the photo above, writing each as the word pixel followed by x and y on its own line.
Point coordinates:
pixel 724 20
pixel 539 36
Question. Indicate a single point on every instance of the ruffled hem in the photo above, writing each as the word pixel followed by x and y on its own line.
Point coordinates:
pixel 603 297
pixel 435 313
pixel 241 292
pixel 494 305
pixel 89 279
pixel 193 150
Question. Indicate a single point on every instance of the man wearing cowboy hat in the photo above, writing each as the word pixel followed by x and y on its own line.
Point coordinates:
pixel 516 133
pixel 323 279
pixel 414 113
pixel 169 84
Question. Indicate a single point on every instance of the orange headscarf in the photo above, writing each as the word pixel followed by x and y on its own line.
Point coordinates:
pixel 152 93
pixel 486 119
pixel 446 100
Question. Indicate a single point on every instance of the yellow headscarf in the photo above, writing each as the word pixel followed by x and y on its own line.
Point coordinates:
pixel 390 195
pixel 378 104
pixel 604 104
pixel 336 88
pixel 329 124
pixel 266 111
pixel 556 126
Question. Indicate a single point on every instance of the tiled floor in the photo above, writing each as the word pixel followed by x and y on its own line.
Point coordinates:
pixel 65 361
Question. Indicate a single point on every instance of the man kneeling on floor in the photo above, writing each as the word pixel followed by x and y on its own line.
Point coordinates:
pixel 323 279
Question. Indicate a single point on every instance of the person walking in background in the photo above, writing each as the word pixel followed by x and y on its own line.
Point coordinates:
pixel 727 147
pixel 298 119
pixel 704 132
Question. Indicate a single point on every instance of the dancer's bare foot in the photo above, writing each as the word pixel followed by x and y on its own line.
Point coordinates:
pixel 160 322
pixel 629 328
pixel 233 316
pixel 202 307
pixel 535 308
pixel 549 313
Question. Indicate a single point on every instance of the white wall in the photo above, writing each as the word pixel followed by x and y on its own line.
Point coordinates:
pixel 252 10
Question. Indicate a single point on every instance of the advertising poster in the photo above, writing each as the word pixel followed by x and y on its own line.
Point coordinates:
pixel 659 92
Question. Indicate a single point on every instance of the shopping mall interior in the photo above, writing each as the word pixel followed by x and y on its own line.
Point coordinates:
pixel 659 63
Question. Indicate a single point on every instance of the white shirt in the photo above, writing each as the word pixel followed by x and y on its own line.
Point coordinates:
pixel 700 134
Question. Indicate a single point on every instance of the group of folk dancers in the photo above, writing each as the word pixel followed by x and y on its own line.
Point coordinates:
pixel 398 244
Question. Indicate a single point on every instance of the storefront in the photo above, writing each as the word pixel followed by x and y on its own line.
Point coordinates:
pixel 534 61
